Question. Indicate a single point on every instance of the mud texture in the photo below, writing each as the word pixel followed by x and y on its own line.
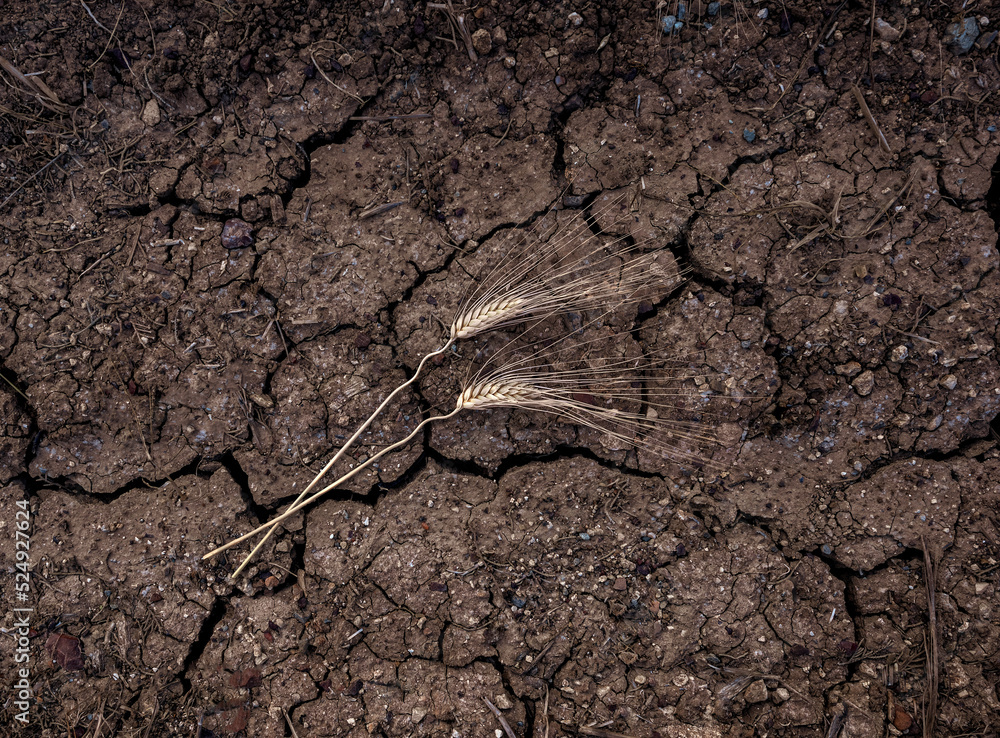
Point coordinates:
pixel 230 230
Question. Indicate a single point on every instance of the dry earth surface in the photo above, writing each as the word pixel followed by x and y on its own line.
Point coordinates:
pixel 168 384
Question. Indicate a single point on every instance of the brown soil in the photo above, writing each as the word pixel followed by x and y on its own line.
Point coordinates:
pixel 171 382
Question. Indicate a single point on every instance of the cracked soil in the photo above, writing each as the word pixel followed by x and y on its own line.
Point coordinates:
pixel 834 569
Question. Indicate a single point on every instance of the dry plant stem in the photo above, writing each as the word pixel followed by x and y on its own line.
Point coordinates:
pixel 341 452
pixel 315 496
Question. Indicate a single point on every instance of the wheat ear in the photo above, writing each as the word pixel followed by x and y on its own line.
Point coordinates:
pixel 581 277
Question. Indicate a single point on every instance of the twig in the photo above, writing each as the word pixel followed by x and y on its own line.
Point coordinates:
pixel 506 726
pixel 289 721
pixel 94 18
pixel 930 583
pixel 378 209
pixel 110 38
pixel 384 118
pixel 29 179
pixel 458 22
pixel 859 96
pixel 319 69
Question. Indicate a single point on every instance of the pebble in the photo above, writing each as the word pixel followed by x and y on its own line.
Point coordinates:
pixel 756 692
pixel 987 38
pixel 749 135
pixel 151 113
pixel 961 35
pixel 620 584
pixel 865 383
pixel 886 31
pixel 670 24
pixel 237 234
pixel 575 19
pixel 899 354
pixel 849 369
pixel 714 7
pixel 781 695
pixel 482 42
pixel 949 381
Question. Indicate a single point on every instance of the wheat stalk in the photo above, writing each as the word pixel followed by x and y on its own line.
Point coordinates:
pixel 575 270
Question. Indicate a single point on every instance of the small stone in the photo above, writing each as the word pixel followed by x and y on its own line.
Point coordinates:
pixel 417 715
pixel 780 695
pixel 899 354
pixel 935 422
pixel 749 135
pixel 885 31
pixel 499 35
pixel 714 7
pixel 986 39
pixel 865 383
pixel 810 114
pixel 509 62
pixel 482 42
pixel 850 369
pixel 620 584
pixel 949 381
pixel 901 720
pixel 151 113
pixel 756 692
pixel 502 701
pixel 762 13
pixel 961 35
pixel 575 19
pixel 237 234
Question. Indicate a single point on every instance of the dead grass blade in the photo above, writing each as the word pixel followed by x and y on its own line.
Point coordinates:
pixel 34 87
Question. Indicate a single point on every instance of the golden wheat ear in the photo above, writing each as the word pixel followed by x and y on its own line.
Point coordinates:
pixel 639 402
pixel 579 268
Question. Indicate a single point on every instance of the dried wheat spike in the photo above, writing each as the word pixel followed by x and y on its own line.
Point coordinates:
pixel 574 270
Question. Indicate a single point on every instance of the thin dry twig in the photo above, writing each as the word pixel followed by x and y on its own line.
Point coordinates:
pixel 385 118
pixel 29 180
pixel 933 657
pixel 378 209
pixel 503 721
pixel 94 18
pixel 872 123
pixel 458 23
pixel 323 74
